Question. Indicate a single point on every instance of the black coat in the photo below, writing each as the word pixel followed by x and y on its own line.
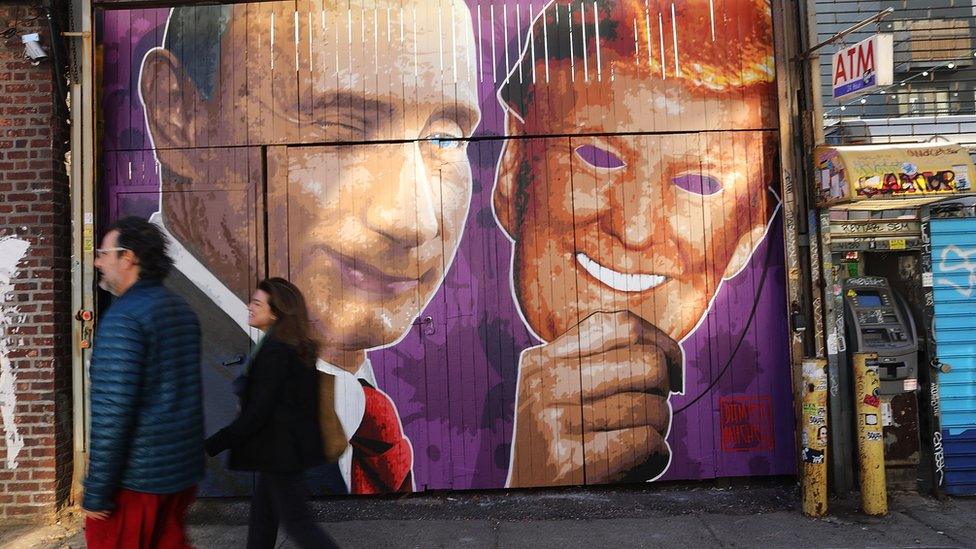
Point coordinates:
pixel 277 429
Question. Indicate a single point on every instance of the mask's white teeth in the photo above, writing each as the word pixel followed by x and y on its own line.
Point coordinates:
pixel 622 282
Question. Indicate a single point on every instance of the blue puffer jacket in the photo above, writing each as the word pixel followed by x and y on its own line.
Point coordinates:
pixel 146 407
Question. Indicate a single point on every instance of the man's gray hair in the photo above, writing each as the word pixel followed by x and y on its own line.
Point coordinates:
pixel 193 36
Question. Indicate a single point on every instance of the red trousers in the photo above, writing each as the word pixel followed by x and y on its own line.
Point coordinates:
pixel 143 521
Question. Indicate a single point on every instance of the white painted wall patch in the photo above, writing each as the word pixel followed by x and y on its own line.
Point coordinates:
pixel 12 250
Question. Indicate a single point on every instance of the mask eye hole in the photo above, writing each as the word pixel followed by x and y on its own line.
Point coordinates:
pixel 698 183
pixel 599 158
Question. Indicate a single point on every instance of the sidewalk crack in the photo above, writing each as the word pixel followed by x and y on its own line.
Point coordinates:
pixel 718 542
pixel 910 514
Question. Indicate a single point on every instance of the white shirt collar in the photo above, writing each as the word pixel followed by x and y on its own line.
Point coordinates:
pixel 365 371
pixel 205 281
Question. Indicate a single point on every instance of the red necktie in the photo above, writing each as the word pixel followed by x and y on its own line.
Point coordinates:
pixel 381 455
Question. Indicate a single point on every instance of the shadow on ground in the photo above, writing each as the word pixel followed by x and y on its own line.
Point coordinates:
pixel 757 514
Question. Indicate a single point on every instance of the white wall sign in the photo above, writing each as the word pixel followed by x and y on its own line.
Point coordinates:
pixel 863 67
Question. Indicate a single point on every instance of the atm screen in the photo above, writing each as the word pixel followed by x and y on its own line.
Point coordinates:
pixel 868 299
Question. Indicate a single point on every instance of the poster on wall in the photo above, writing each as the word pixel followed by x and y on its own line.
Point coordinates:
pixel 541 241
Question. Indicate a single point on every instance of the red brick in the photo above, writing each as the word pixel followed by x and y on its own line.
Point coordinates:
pixel 24 510
pixel 13 487
pixel 38 474
pixel 34 195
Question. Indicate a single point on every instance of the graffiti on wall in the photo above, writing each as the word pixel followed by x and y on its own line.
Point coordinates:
pixel 865 172
pixel 953 261
pixel 12 250
pixel 954 258
pixel 539 240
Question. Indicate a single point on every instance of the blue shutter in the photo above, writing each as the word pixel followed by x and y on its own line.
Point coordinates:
pixel 954 278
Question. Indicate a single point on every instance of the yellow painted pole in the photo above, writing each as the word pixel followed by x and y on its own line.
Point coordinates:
pixel 870 444
pixel 813 435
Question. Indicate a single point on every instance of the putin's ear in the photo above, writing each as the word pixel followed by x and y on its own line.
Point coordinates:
pixel 171 101
pixel 744 248
pixel 506 179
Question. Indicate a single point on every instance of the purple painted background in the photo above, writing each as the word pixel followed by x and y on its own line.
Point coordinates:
pixel 455 387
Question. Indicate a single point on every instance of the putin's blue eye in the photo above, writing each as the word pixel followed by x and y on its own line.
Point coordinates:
pixel 697 183
pixel 599 157
pixel 445 141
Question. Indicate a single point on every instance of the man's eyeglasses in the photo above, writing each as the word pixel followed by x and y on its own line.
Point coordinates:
pixel 102 251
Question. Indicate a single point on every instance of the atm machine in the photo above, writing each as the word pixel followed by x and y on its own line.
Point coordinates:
pixel 879 320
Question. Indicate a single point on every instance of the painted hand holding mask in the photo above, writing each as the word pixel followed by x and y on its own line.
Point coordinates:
pixel 626 149
pixel 622 239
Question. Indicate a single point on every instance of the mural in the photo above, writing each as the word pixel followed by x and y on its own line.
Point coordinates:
pixel 540 240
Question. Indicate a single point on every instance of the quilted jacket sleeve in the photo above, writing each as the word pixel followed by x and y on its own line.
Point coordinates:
pixel 116 376
pixel 266 379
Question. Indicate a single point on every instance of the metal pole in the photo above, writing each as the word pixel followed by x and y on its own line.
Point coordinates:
pixel 82 229
pixel 814 127
pixel 842 466
pixel 814 438
pixel 788 80
pixel 785 42
pixel 814 135
pixel 870 441
pixel 827 305
pixel 854 28
pixel 931 397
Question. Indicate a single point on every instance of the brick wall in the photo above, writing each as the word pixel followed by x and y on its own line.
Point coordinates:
pixel 35 378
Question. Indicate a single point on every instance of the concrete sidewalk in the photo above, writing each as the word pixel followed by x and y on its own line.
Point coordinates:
pixel 676 516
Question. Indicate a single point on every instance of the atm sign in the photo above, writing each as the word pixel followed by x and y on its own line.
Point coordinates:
pixel 863 67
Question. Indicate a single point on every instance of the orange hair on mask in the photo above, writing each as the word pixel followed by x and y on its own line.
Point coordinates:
pixel 737 53
pixel 711 46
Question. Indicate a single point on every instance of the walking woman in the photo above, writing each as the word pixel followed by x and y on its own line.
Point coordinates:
pixel 276 433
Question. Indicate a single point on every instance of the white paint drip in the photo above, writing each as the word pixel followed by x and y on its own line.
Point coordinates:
pixel 12 250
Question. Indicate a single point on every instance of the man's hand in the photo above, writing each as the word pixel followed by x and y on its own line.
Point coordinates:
pixel 597 395
pixel 97 515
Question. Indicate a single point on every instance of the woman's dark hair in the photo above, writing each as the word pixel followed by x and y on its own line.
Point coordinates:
pixel 147 242
pixel 292 325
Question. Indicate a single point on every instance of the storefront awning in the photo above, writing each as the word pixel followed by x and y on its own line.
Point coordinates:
pixel 889 177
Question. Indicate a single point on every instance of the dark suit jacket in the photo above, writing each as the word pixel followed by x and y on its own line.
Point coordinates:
pixel 277 429
pixel 223 349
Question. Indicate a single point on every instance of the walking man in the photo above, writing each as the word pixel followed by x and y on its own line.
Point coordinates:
pixel 146 441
